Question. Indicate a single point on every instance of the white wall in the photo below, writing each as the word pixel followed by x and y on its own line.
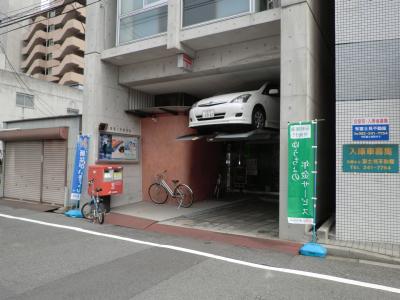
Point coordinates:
pixel 50 99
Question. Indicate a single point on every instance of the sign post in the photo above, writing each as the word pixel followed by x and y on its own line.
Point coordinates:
pixel 302 181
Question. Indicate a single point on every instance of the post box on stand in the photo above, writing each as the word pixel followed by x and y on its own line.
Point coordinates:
pixel 109 179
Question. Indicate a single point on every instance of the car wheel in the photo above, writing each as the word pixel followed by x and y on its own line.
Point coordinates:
pixel 258 118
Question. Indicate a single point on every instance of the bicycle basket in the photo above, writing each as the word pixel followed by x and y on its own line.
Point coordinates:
pixel 159 177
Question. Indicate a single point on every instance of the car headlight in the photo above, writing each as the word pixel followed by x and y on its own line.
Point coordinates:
pixel 241 98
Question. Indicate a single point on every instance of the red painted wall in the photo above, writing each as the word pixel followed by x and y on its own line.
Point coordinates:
pixel 192 162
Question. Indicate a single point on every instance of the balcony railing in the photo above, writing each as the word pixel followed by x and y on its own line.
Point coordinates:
pixel 203 11
pixel 139 19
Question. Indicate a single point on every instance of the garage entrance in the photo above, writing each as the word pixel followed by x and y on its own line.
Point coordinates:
pixel 249 183
pixel 245 163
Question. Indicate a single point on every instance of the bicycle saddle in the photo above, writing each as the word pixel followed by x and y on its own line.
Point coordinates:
pixel 99 190
pixel 175 181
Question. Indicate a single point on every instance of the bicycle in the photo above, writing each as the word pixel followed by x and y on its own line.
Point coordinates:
pixel 160 190
pixel 94 209
pixel 218 190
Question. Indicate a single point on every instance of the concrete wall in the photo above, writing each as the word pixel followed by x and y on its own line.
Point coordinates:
pixel 307 92
pixel 105 100
pixel 74 125
pixel 195 163
pixel 49 99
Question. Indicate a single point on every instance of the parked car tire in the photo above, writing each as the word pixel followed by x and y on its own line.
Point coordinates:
pixel 258 118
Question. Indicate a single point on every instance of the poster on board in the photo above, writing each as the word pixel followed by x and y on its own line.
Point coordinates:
pixel 118 147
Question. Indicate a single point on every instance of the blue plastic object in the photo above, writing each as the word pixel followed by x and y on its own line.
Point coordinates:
pixel 74 213
pixel 313 249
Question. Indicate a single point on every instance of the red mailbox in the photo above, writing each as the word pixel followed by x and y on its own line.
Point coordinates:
pixel 106 177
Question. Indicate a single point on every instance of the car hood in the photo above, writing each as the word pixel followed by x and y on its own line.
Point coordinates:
pixel 220 99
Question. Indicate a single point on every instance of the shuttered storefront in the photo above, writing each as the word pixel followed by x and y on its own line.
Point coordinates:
pixel 27 178
pixel 23 169
pixel 54 170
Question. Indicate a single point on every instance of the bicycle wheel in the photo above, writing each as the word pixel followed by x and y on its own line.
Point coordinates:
pixel 87 210
pixel 185 195
pixel 157 193
pixel 101 212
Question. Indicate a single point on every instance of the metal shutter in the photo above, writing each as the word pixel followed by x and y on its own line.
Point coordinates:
pixel 23 169
pixel 54 169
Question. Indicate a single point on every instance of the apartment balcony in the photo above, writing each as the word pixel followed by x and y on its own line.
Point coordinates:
pixel 146 35
pixel 69 46
pixel 71 28
pixel 70 63
pixel 71 78
pixel 50 78
pixel 72 11
pixel 40 64
pixel 39 23
pixel 38 52
pixel 39 38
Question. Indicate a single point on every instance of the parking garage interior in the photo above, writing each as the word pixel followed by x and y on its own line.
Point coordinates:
pixel 236 166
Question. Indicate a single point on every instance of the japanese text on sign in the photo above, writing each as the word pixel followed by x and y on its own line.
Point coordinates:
pixel 371 158
pixel 371 129
pixel 81 157
pixel 301 179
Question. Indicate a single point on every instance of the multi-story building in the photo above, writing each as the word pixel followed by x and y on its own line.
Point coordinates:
pixel 43 141
pixel 53 47
pixel 139 53
pixel 367 120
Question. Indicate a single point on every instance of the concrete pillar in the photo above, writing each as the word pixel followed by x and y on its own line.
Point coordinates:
pixel 105 100
pixel 307 69
pixel 174 28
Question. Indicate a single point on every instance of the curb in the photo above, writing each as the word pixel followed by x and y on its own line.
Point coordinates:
pixel 358 254
pixel 288 247
pixel 205 235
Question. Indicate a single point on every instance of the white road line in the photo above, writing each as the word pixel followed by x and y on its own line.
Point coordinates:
pixel 213 256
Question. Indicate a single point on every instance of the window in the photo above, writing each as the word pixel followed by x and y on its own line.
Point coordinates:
pixel 49 56
pixel 141 18
pixel 25 100
pixel 51 28
pixel 199 11
pixel 50 43
pixel 48 71
pixel 51 14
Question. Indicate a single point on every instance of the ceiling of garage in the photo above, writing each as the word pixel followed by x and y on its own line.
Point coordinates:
pixel 206 86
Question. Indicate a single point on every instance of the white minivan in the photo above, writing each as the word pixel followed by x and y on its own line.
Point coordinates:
pixel 259 108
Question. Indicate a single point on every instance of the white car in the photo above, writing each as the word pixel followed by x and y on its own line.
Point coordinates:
pixel 258 108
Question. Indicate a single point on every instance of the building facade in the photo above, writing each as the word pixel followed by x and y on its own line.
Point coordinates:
pixel 54 45
pixel 136 55
pixel 367 120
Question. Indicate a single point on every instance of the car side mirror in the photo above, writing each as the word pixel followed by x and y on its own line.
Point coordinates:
pixel 273 92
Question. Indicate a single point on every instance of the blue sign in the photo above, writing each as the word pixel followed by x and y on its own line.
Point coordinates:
pixel 81 158
pixel 371 132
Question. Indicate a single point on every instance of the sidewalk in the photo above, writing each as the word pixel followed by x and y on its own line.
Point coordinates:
pixel 225 222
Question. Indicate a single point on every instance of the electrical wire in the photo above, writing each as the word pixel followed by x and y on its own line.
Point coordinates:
pixel 22 16
pixel 35 22
pixel 49 111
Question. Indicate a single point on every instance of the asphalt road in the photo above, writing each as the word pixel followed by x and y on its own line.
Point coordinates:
pixel 38 261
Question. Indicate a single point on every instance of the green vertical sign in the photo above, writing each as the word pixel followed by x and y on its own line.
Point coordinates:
pixel 301 167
